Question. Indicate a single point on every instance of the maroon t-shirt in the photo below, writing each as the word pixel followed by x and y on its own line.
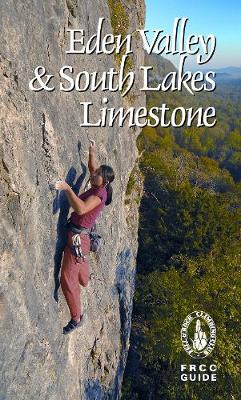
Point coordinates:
pixel 88 219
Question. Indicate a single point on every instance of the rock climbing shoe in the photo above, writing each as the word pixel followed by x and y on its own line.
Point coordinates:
pixel 72 324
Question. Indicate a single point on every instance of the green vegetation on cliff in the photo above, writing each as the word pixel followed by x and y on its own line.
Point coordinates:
pixel 189 256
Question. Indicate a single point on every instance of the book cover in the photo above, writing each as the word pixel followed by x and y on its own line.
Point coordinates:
pixel 120 200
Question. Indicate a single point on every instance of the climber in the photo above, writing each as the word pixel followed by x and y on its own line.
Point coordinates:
pixel 87 207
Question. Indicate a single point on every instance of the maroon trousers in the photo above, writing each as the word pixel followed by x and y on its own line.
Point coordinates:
pixel 75 272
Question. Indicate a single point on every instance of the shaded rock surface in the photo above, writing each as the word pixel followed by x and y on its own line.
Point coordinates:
pixel 41 141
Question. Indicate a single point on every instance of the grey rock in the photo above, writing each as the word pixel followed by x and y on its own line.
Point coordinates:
pixel 41 141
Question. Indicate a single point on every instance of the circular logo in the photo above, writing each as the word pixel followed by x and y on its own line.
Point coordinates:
pixel 198 334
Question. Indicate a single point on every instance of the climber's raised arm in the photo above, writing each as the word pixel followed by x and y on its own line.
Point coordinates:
pixel 92 163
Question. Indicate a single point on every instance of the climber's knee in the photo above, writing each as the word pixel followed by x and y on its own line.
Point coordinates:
pixel 84 283
pixel 84 274
pixel 84 279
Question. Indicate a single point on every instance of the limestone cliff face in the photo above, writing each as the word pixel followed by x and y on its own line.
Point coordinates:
pixel 41 141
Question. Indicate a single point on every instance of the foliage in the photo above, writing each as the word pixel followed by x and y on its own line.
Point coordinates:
pixel 189 259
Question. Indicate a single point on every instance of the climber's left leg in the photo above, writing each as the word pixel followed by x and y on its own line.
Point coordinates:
pixel 69 281
pixel 84 271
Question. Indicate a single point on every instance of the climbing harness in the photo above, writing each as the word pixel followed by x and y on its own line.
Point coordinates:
pixel 95 238
pixel 76 239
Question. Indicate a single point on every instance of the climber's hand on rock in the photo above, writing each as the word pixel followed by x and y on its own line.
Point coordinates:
pixel 61 185
pixel 92 147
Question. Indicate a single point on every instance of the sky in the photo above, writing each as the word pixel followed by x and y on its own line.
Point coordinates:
pixel 218 17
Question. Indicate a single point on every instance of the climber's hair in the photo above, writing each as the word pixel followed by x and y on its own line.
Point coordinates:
pixel 108 176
